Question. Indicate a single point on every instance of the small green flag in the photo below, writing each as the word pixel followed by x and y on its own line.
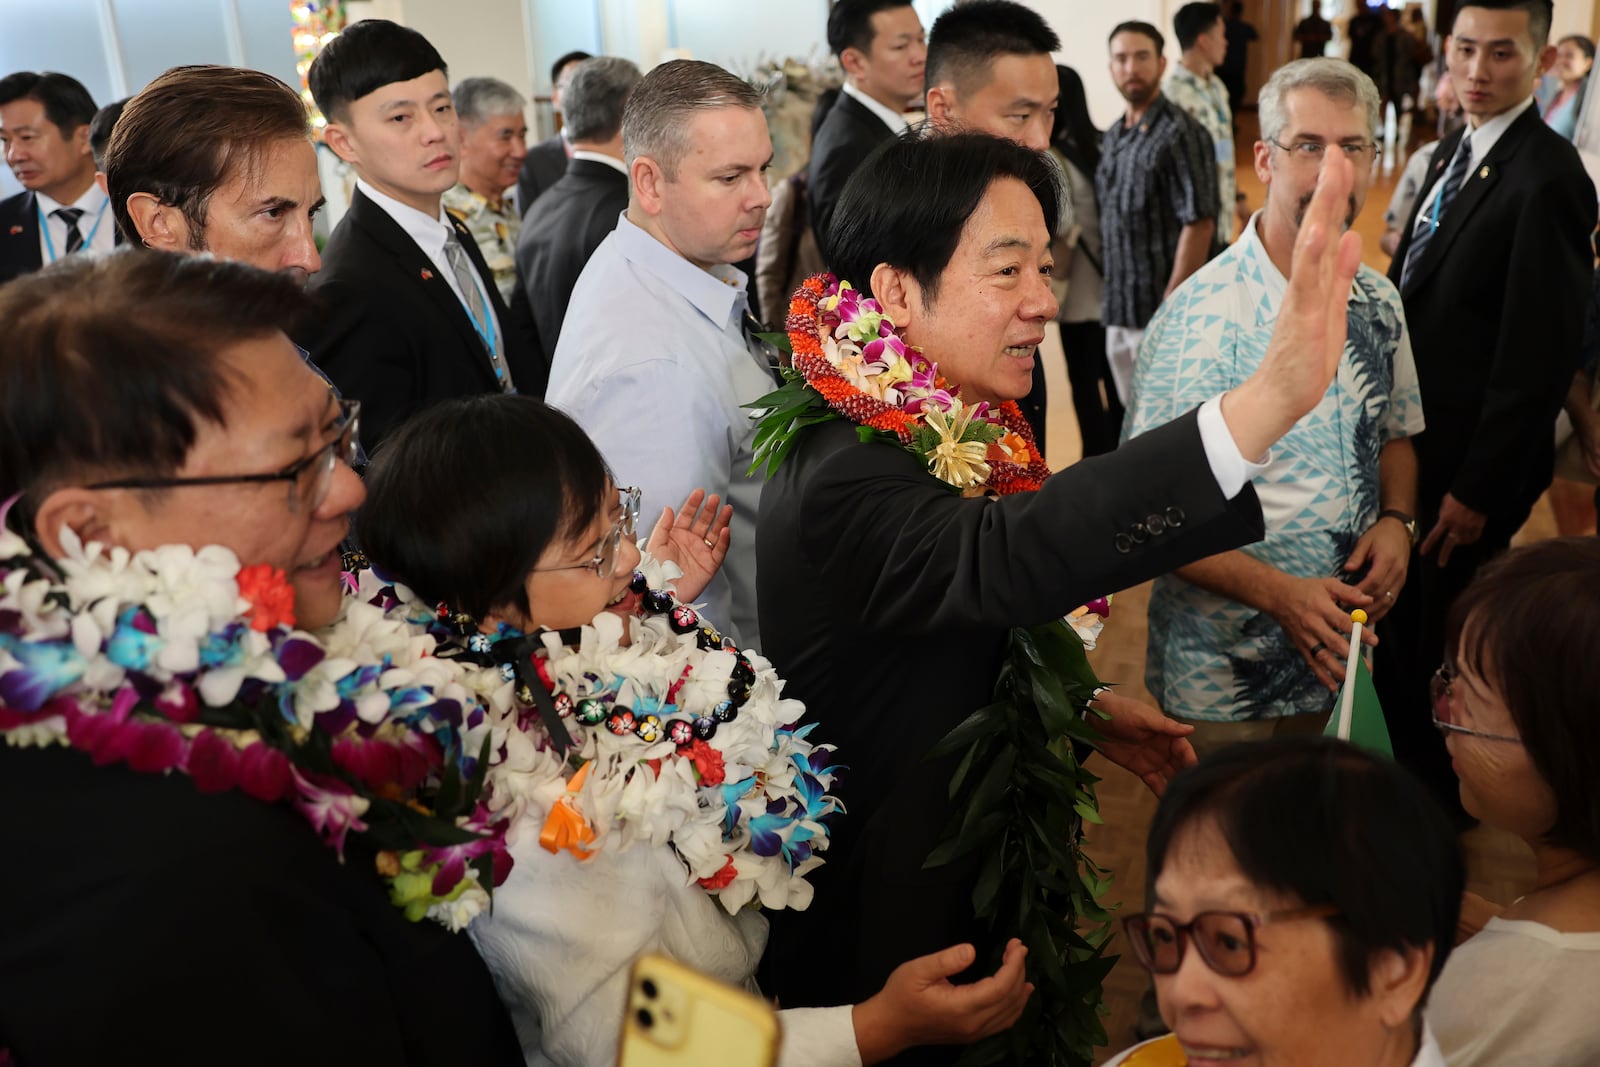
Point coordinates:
pixel 1358 717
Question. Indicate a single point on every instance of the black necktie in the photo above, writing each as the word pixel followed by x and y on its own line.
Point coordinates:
pixel 1460 163
pixel 70 216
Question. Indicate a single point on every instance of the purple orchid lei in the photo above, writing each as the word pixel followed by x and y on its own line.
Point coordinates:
pixel 151 660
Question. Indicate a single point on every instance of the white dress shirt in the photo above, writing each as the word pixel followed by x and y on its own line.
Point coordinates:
pixel 600 157
pixel 891 118
pixel 430 235
pixel 652 362
pixel 96 224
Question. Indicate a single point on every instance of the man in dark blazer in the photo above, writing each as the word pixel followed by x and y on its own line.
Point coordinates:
pixel 546 161
pixel 889 597
pixel 563 229
pixel 882 49
pixel 408 311
pixel 1493 267
pixel 44 130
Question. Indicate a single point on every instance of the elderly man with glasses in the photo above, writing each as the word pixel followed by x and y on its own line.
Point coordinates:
pixel 1252 643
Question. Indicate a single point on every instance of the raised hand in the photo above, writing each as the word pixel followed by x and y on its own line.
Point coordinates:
pixel 1141 740
pixel 696 538
pixel 919 1005
pixel 1309 337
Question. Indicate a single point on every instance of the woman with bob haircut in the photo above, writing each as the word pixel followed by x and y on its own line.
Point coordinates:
pixel 1517 706
pixel 501 510
pixel 1303 897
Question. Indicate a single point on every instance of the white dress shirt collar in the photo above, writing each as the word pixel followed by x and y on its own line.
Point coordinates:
pixel 891 118
pixel 430 234
pixel 600 157
pixel 1484 137
pixel 90 202
pixel 719 293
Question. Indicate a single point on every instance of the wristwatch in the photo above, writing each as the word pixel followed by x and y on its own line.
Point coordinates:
pixel 1403 519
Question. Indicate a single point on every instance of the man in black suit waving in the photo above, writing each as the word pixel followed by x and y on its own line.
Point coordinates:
pixel 1494 268
pixel 562 230
pixel 44 129
pixel 881 46
pixel 409 312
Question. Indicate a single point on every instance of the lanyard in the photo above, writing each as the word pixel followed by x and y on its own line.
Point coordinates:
pixel 49 243
pixel 486 329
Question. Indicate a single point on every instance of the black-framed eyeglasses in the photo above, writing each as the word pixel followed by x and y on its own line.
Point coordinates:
pixel 1445 715
pixel 309 478
pixel 1226 940
pixel 604 563
pixel 1313 151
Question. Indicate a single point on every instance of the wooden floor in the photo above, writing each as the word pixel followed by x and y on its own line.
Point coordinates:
pixel 1500 866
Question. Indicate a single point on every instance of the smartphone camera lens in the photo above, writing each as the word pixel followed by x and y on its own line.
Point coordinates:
pixel 646 1020
pixel 648 988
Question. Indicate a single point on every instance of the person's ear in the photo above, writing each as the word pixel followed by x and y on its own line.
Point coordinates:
pixel 854 62
pixel 1161 67
pixel 1397 981
pixel 1263 160
pixel 941 104
pixel 897 292
pixel 337 137
pixel 84 511
pixel 161 226
pixel 648 180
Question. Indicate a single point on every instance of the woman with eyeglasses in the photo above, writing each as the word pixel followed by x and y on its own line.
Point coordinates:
pixel 1517 707
pixel 502 510
pixel 1303 896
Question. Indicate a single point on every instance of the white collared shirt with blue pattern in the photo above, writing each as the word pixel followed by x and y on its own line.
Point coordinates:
pixel 1215 659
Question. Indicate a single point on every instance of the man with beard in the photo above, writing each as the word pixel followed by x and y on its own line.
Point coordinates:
pixel 1157 186
pixel 656 359
pixel 1252 643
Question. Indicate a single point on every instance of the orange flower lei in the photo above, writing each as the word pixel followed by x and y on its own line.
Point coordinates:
pixel 1015 462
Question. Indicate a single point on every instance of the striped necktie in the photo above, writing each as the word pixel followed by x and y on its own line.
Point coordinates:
pixel 1427 227
pixel 70 216
pixel 482 314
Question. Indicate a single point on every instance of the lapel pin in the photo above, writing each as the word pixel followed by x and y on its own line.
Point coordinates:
pixel 427 275
pixel 1484 173
pixel 15 230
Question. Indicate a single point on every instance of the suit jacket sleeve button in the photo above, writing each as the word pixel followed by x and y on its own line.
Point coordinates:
pixel 1140 534
pixel 1156 525
pixel 1174 517
pixel 1123 543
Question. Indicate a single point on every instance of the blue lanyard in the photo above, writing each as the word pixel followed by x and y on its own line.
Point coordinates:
pixel 49 243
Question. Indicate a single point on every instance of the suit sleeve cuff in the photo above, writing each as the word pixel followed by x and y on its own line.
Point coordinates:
pixel 1228 466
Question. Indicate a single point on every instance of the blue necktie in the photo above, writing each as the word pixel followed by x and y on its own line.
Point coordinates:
pixel 1428 226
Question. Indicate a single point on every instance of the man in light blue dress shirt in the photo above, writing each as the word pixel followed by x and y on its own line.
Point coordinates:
pixel 654 359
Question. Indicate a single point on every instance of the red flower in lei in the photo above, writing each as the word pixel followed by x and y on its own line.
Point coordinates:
pixel 270 595
pixel 722 879
pixel 807 327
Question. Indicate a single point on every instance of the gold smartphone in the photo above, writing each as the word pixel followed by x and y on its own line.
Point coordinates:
pixel 678 1017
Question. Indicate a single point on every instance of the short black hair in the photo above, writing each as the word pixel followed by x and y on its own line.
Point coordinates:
pixel 1194 19
pixel 100 127
pixel 850 23
pixel 1530 627
pixel 1540 12
pixel 1135 26
pixel 967 39
pixel 465 496
pixel 1326 823
pixel 110 363
pixel 66 102
pixel 1585 45
pixel 575 56
pixel 908 203
pixel 370 54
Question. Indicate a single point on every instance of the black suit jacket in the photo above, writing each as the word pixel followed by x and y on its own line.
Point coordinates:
pixel 542 167
pixel 19 236
pixel 1495 312
pixel 559 234
pixel 388 329
pixel 847 136
pixel 886 601
pixel 158 924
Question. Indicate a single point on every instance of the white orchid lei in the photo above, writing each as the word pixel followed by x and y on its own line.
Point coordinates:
pixel 178 660
pixel 676 738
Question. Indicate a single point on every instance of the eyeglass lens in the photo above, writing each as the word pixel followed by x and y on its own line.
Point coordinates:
pixel 1225 941
pixel 627 526
pixel 321 470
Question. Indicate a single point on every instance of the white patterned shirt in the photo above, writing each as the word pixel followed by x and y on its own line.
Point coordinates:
pixel 1215 659
pixel 1206 99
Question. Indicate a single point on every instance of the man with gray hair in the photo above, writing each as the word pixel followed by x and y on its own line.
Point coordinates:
pixel 494 142
pixel 564 227
pixel 654 359
pixel 1252 643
